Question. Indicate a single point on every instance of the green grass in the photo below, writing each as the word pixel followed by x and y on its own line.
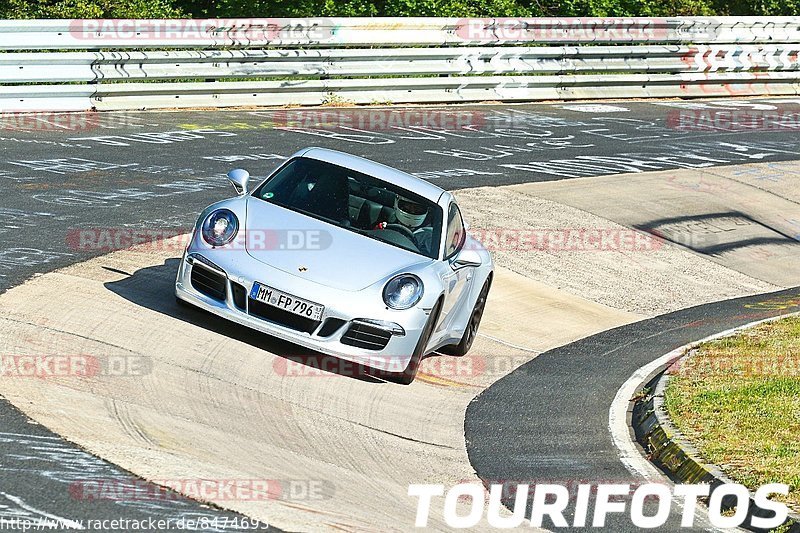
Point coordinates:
pixel 738 400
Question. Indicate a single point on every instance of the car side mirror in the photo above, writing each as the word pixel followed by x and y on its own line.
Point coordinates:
pixel 467 257
pixel 239 178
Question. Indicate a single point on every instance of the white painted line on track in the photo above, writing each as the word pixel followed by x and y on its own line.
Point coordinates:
pixel 618 426
pixel 44 437
pixel 56 520
pixel 594 108
pixel 509 344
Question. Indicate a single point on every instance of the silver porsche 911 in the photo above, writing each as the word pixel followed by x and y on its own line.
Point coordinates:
pixel 344 256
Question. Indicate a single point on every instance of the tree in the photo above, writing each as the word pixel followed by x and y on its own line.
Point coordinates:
pixel 24 9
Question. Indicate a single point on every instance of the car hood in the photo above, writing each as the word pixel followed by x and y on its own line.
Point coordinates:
pixel 320 252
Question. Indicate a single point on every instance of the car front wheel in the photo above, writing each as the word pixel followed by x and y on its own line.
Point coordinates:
pixel 471 330
pixel 407 376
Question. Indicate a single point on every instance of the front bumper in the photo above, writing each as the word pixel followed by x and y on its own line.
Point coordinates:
pixel 354 312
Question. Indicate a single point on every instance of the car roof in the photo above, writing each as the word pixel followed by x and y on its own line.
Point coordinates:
pixel 397 177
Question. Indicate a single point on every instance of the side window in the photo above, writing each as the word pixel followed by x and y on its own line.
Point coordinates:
pixel 455 232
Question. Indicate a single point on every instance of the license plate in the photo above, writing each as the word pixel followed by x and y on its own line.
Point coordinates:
pixel 287 302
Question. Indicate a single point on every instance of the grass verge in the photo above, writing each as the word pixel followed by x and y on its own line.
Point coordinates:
pixel 737 400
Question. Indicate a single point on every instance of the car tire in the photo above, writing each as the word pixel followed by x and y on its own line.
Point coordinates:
pixel 407 376
pixel 471 330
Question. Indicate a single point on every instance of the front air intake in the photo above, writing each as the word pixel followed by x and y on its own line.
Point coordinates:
pixel 208 282
pixel 365 336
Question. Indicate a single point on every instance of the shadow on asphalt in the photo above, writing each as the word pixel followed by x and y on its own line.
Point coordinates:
pixel 154 288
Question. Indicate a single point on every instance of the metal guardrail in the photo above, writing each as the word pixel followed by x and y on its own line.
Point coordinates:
pixel 124 64
pixel 178 33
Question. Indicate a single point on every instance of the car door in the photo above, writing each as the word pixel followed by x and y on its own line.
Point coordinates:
pixel 455 280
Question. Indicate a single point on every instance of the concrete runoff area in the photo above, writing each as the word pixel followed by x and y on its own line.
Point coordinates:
pixel 217 401
pixel 528 313
pixel 212 400
pixel 548 243
pixel 745 218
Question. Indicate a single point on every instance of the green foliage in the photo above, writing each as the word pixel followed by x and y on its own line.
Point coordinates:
pixel 25 9
pixel 389 8
pixel 633 8
pixel 738 400
pixel 354 8
pixel 456 8
pixel 756 7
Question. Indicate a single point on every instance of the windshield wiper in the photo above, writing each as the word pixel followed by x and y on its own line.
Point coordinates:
pixel 371 235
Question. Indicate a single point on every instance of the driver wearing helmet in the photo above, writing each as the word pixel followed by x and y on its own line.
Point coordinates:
pixel 411 215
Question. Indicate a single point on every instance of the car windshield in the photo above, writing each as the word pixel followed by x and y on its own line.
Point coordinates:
pixel 356 202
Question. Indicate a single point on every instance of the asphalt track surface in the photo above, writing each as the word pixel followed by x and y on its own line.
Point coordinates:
pixel 547 422
pixel 157 170
pixel 45 480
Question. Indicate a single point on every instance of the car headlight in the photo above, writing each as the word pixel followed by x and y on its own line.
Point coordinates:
pixel 403 291
pixel 220 227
